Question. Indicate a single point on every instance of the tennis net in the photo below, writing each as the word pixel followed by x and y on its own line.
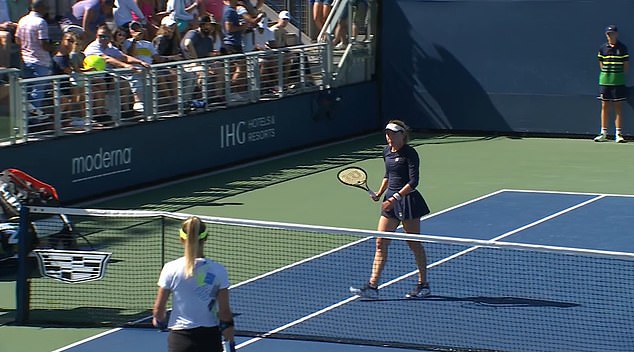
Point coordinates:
pixel 291 281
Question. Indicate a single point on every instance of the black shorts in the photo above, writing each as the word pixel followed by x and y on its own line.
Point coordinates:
pixel 612 93
pixel 412 206
pixel 233 49
pixel 202 339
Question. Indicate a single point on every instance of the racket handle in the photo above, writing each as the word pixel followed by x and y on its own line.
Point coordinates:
pixel 229 346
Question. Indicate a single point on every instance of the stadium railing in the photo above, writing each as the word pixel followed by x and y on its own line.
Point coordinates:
pixel 84 102
pixel 101 100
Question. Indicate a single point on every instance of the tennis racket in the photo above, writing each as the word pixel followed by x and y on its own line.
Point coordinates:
pixel 355 177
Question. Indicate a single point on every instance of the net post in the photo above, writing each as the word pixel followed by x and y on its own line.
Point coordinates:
pixel 22 286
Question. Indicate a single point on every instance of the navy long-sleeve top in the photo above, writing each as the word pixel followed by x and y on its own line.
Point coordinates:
pixel 401 167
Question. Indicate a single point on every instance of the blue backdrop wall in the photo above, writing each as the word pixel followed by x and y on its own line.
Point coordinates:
pixel 88 165
pixel 524 66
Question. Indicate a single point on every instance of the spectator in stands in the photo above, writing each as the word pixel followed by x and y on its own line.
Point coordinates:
pixel 96 86
pixel 263 35
pixel 200 43
pixel 341 31
pixel 321 10
pixel 149 8
pixel 119 36
pixel 251 19
pixel 67 61
pixel 167 43
pixel 281 41
pixel 32 37
pixel 167 39
pixel 115 58
pixel 90 14
pixel 183 13
pixel 233 27
pixel 211 8
pixel 279 30
pixel 138 47
pixel 6 24
pixel 123 11
pixel 359 17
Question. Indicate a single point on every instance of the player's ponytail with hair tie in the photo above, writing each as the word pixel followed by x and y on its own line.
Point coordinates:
pixel 191 234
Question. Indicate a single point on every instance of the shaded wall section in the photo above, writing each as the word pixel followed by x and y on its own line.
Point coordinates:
pixel 505 66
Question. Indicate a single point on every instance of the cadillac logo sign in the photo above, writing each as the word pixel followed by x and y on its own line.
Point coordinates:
pixel 72 266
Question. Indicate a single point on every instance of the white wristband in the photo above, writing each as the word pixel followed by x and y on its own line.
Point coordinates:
pixel 397 196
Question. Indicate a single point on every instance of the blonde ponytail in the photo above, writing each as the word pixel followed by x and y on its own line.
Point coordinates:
pixel 192 232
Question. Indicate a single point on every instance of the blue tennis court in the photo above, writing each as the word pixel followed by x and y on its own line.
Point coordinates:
pixel 483 298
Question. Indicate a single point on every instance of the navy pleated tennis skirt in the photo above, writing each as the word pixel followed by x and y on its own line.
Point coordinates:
pixel 412 206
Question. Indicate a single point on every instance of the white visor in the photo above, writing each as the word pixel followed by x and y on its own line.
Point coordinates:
pixel 394 127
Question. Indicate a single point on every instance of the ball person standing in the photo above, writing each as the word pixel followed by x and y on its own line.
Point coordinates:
pixel 613 62
pixel 402 204
pixel 201 314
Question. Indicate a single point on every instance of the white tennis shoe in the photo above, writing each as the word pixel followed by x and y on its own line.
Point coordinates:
pixel 601 138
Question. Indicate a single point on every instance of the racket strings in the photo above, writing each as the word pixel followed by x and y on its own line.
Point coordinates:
pixel 352 177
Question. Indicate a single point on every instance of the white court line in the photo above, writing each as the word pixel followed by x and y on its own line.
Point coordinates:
pixel 355 242
pixel 246 343
pixel 570 193
pixel 88 339
pixel 290 266
pixel 444 260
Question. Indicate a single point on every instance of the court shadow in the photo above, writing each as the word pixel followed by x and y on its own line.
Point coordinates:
pixel 503 301
pixel 211 189
pixel 84 317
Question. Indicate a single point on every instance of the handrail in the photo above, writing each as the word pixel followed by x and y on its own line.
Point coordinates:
pixel 166 90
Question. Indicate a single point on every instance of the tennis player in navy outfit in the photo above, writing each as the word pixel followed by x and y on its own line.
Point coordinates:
pixel 201 314
pixel 402 203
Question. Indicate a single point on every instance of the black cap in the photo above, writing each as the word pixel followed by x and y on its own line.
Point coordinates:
pixel 611 28
pixel 134 24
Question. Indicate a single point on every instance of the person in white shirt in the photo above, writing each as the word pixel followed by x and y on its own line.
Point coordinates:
pixel 201 315
pixel 123 13
pixel 35 49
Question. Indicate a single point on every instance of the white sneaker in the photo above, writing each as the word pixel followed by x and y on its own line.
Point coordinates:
pixel 601 138
pixel 619 139
pixel 340 46
pixel 138 107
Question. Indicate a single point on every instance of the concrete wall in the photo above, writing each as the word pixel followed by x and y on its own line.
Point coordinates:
pixel 93 164
pixel 523 66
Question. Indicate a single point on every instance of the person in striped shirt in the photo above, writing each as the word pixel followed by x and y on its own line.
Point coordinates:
pixel 613 62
